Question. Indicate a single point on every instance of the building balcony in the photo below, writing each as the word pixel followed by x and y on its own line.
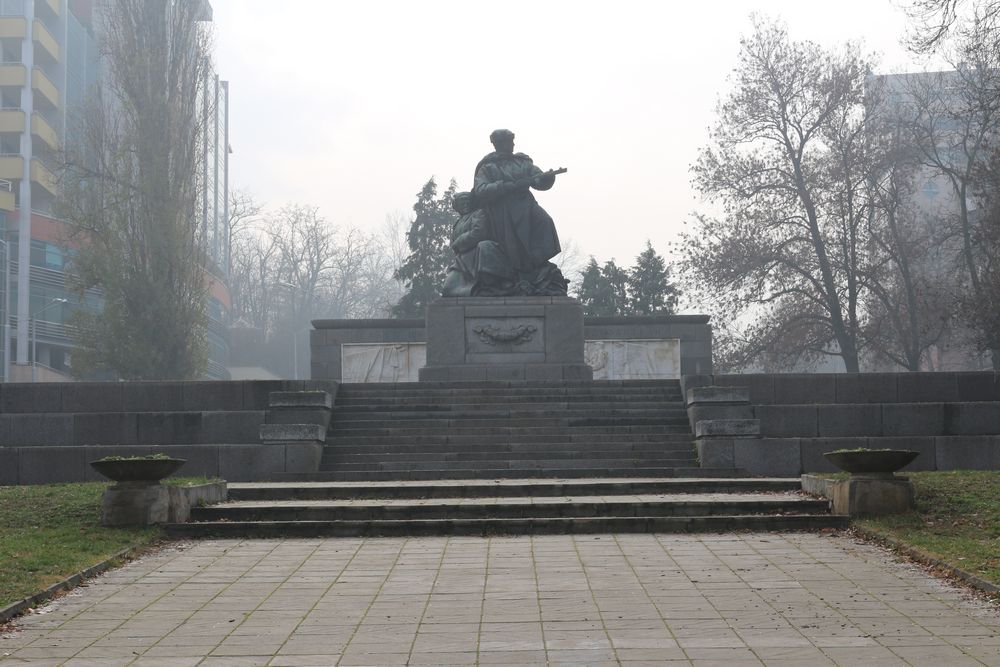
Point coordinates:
pixel 48 46
pixel 40 128
pixel 13 26
pixel 11 167
pixel 13 74
pixel 44 177
pixel 11 121
pixel 7 197
pixel 53 5
pixel 48 94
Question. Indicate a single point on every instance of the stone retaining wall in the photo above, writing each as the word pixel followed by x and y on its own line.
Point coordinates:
pixel 693 332
pixel 49 432
pixel 952 419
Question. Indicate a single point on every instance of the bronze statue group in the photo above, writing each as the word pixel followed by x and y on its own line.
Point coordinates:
pixel 503 240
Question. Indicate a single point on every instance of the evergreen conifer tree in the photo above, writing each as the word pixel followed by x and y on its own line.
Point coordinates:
pixel 424 269
pixel 649 289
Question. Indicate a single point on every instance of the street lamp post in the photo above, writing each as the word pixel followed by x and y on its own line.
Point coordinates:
pixel 34 335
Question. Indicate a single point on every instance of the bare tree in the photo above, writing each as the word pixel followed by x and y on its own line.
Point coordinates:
pixel 935 21
pixel 130 193
pixel 954 117
pixel 787 164
pixel 907 300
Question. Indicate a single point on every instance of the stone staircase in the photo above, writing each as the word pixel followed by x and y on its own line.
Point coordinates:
pixel 499 458
pixel 500 507
pixel 497 430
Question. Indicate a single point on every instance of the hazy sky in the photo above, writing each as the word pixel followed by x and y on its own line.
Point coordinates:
pixel 352 106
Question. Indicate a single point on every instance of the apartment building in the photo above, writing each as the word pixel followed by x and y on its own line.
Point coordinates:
pixel 50 64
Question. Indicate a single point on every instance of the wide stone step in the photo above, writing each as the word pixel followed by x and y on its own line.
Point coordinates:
pixel 495 385
pixel 511 432
pixel 513 463
pixel 505 473
pixel 527 441
pixel 499 403
pixel 569 448
pixel 478 421
pixel 581 525
pixel 334 457
pixel 652 505
pixel 509 488
pixel 536 412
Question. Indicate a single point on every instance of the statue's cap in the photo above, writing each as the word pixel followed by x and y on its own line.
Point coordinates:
pixel 496 135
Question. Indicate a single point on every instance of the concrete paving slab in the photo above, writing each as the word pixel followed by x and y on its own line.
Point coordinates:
pixel 732 599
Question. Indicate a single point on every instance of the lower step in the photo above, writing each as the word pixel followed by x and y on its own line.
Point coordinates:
pixel 506 526
pixel 571 507
pixel 502 473
pixel 480 488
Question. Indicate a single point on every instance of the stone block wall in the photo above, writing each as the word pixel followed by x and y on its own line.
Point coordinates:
pixel 953 419
pixel 49 432
pixel 693 331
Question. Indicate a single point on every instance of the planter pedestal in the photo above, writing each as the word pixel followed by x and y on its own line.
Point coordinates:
pixel 135 503
pixel 874 494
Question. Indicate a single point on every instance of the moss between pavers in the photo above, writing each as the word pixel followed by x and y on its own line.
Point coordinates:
pixel 956 520
pixel 49 532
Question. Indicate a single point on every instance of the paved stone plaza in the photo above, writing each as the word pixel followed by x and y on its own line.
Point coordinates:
pixel 731 599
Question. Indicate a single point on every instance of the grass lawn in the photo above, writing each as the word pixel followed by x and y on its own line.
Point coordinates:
pixel 51 531
pixel 957 520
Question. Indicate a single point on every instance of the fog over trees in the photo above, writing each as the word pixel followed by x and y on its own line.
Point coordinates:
pixel 128 193
pixel 824 246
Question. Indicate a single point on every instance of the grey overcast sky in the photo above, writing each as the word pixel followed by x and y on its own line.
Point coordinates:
pixel 352 106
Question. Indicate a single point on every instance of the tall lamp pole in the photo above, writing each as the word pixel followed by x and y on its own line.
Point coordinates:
pixel 34 335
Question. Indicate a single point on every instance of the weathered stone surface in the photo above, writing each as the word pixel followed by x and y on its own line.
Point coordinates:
pixel 787 421
pixel 248 463
pixel 31 397
pixel 839 421
pixel 715 452
pixel 805 388
pixel 135 505
pixel 302 457
pixel 183 498
pixel 381 362
pixel 927 387
pixel 972 418
pixel 43 465
pixel 92 397
pixel 866 387
pixel 106 428
pixel 153 396
pixel 169 428
pixel 41 430
pixel 912 419
pixel 975 452
pixel 213 395
pixel 727 428
pixel 281 433
pixel 858 495
pixel 711 395
pixel 301 399
pixel 9 464
pixel 772 457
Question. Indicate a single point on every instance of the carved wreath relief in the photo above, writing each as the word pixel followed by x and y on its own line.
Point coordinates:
pixel 517 335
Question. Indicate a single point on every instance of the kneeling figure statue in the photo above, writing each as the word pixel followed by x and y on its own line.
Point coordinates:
pixel 503 240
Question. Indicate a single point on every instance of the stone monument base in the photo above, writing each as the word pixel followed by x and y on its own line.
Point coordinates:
pixel 514 339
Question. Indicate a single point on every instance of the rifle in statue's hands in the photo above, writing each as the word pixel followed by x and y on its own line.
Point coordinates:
pixel 550 172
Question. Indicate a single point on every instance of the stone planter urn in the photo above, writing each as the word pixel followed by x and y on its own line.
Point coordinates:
pixel 871 462
pixel 137 497
pixel 872 488
pixel 137 471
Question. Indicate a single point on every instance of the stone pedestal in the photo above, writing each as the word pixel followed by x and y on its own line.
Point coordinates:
pixel 872 495
pixel 517 339
pixel 135 503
